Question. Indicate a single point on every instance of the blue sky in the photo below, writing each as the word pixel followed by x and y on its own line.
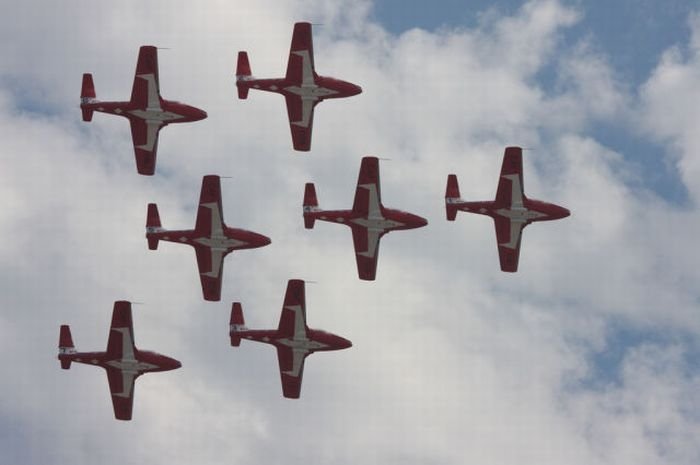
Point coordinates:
pixel 630 34
pixel 587 355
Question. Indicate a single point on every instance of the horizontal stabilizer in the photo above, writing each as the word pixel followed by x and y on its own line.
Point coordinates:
pixel 243 66
pixel 65 339
pixel 237 323
pixel 452 190
pixel 152 225
pixel 152 217
pixel 310 205
pixel 87 114
pixel 451 196
pixel 87 96
pixel 88 89
pixel 310 199
pixel 243 73
pixel 65 346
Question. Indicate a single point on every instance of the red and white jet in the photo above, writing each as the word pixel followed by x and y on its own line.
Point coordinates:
pixel 211 238
pixel 302 88
pixel 511 211
pixel 293 339
pixel 369 220
pixel 147 111
pixel 122 361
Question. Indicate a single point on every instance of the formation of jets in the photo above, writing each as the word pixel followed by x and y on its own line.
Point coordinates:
pixel 212 239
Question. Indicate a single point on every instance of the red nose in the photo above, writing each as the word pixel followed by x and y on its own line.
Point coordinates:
pixel 418 221
pixel 171 364
pixel 354 90
pixel 561 212
pixel 262 240
pixel 343 343
pixel 199 114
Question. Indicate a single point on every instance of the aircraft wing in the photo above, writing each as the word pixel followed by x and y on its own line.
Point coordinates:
pixel 300 73
pixel 292 326
pixel 210 222
pixel 144 135
pixel 292 323
pixel 120 344
pixel 121 386
pixel 300 66
pixel 300 112
pixel 508 236
pixel 291 363
pixel 145 92
pixel 210 263
pixel 210 215
pixel 368 198
pixel 366 243
pixel 510 184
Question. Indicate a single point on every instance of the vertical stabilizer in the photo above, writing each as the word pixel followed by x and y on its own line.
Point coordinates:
pixel 237 324
pixel 310 205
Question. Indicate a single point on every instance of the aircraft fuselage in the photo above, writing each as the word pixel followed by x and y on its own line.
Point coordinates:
pixel 315 340
pixel 143 361
pixel 231 239
pixel 321 88
pixel 168 112
pixel 385 221
pixel 530 212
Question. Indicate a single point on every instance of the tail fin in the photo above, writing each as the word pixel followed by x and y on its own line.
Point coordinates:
pixel 87 96
pixel 310 205
pixel 242 74
pixel 65 347
pixel 451 197
pixel 237 324
pixel 152 225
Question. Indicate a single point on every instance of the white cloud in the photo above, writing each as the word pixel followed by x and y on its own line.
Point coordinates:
pixel 645 419
pixel 670 101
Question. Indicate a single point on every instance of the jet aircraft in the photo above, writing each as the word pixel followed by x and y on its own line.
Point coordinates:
pixel 147 111
pixel 122 361
pixel 211 238
pixel 293 339
pixel 511 210
pixel 302 88
pixel 369 220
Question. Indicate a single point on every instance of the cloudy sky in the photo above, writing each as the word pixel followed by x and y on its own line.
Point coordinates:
pixel 588 355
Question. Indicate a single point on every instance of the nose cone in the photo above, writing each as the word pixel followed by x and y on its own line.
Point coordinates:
pixel 561 212
pixel 261 240
pixel 343 343
pixel 354 89
pixel 193 113
pixel 171 364
pixel 199 114
pixel 418 221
